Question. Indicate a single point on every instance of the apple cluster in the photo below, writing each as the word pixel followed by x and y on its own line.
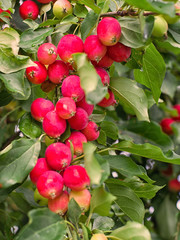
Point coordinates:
pixel 55 176
pixel 166 122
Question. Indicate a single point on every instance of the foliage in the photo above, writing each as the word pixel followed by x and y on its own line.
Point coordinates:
pixel 132 161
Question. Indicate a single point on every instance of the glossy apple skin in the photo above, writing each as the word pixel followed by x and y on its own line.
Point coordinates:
pixel 57 71
pixel 47 53
pixel 77 139
pixel 60 204
pixel 109 101
pixel 82 197
pixel 40 107
pixel 62 8
pixel 80 120
pixel 109 31
pixel 166 125
pixel 58 156
pixel 86 106
pixel 76 178
pixel 36 74
pixel 50 184
pixel 119 52
pixel 53 125
pixel 29 9
pixel 68 45
pixel 40 167
pixel 91 131
pixel 66 107
pixel 177 107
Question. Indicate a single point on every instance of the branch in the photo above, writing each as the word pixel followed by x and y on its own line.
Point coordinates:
pixel 130 12
pixel 12 138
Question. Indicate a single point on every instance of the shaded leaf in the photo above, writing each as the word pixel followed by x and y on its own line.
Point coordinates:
pixel 10 63
pixel 29 126
pixel 101 201
pixel 17 84
pixel 43 224
pixel 91 4
pixel 111 130
pixel 74 212
pixel 17 160
pixel 149 151
pixel 103 223
pixel 153 71
pixel 129 93
pixel 127 200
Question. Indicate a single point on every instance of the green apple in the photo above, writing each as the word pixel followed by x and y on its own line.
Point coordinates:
pixel 40 199
pixel 62 8
pixel 172 20
pixel 160 26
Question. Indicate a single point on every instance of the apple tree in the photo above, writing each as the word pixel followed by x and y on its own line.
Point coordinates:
pixel 90 119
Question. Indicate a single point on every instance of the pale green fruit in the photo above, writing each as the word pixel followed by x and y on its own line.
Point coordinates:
pixel 40 199
pixel 62 8
pixel 160 27
pixel 172 20
pixel 99 236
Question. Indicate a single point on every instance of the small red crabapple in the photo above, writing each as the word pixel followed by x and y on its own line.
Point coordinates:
pixel 86 106
pixel 29 9
pixel 77 139
pixel 91 131
pixel 109 101
pixel 71 87
pixel 50 184
pixel 103 75
pixel 59 204
pixel 68 45
pixel 177 107
pixel 58 156
pixel 66 107
pixel 109 31
pixel 40 107
pixel 105 62
pixel 166 125
pixel 79 120
pixel 36 74
pixel 47 53
pixel 82 197
pixel 76 178
pixel 119 52
pixel 40 167
pixel 94 49
pixel 53 125
pixel 57 71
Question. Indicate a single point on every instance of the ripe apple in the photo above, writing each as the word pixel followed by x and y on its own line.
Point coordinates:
pixel 166 125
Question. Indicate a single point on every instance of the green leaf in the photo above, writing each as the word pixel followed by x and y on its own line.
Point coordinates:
pixel 11 63
pixel 5 4
pixel 132 231
pixel 103 223
pixel 31 23
pixel 148 26
pixel 102 138
pixel 88 24
pixel 29 126
pixel 43 224
pixel 166 218
pixel 175 32
pixel 18 86
pixel 49 22
pixel 105 168
pixel 129 93
pixel 74 211
pixel 127 167
pixel 97 117
pixel 142 190
pixel 127 200
pixel 153 71
pixel 17 160
pixel 30 39
pixel 91 4
pixel 157 6
pixel 151 132
pixel 110 129
pixel 90 81
pixel 131 32
pixel 101 201
pixel 169 85
pixel 5 98
pixel 80 10
pixel 10 38
pixel 149 151
pixel 45 8
pixel 91 164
